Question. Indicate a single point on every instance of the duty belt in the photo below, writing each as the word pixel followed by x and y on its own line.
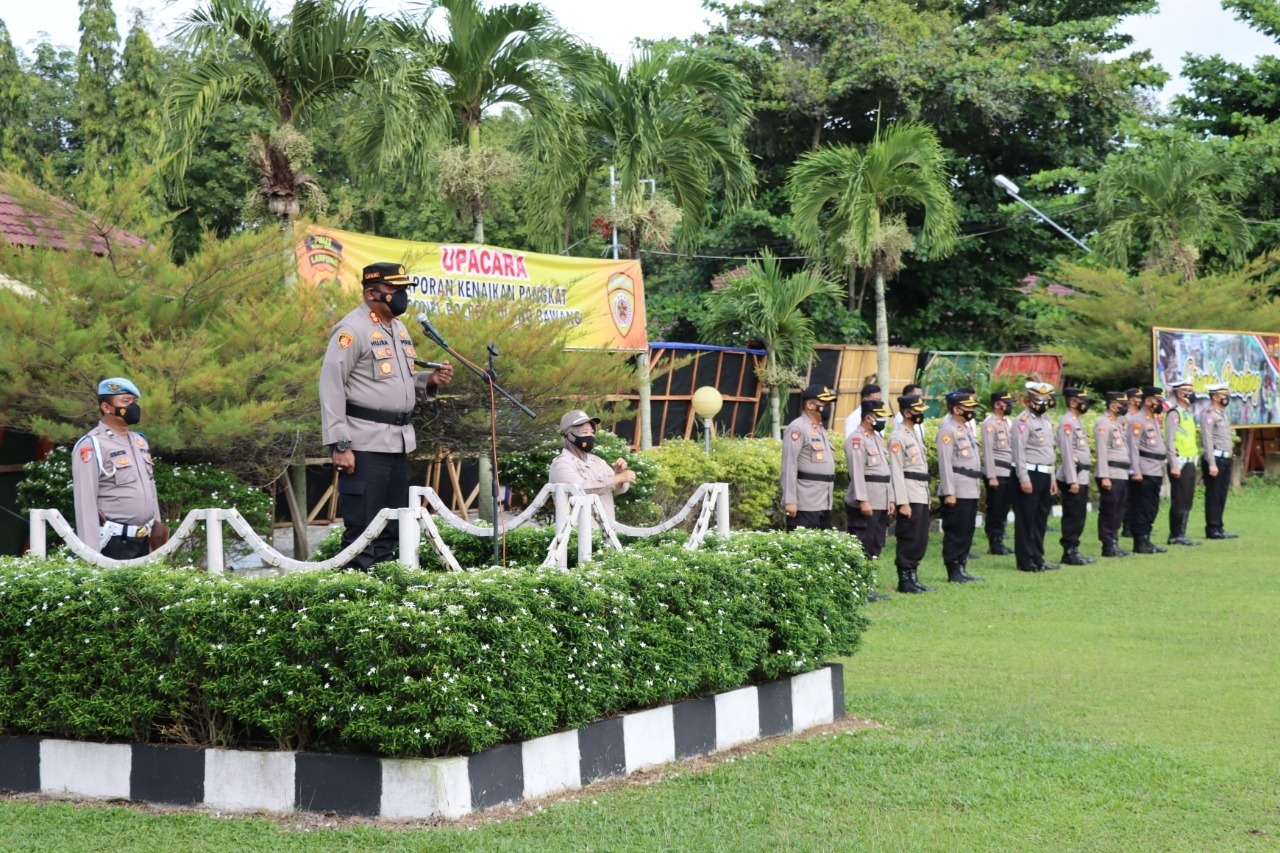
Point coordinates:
pixel 876 478
pixel 1148 455
pixel 1040 469
pixel 377 416
pixel 821 478
pixel 969 472
pixel 1118 463
pixel 1222 454
pixel 1083 466
pixel 916 475
pixel 1000 463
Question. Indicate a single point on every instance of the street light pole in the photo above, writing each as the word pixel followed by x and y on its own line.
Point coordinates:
pixel 1012 189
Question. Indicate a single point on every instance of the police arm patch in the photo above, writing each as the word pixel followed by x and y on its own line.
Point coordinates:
pixel 795 435
pixel 1066 428
pixel 86 453
pixel 946 438
pixel 344 340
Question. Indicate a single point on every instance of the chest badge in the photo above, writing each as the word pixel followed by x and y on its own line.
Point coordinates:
pixel 385 367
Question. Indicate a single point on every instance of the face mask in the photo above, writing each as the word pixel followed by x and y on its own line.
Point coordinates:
pixel 967 414
pixel 914 417
pixel 878 426
pixel 1084 407
pixel 1039 407
pixel 398 302
pixel 584 442
pixel 131 413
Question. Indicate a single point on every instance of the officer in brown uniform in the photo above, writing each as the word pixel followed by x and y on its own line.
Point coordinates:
pixel 368 387
pixel 578 466
pixel 1111 437
pixel 808 463
pixel 909 470
pixel 1150 457
pixel 868 502
pixel 1215 464
pixel 997 465
pixel 1034 458
pixel 1073 475
pixel 1181 439
pixel 959 475
pixel 112 477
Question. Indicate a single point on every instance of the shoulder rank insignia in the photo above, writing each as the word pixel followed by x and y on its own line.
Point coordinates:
pixel 344 340
pixel 373 318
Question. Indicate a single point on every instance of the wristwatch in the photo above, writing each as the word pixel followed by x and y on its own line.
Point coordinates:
pixel 341 446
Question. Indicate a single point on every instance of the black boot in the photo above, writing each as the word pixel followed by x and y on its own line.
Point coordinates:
pixel 919 586
pixel 957 574
pixel 997 548
pixel 968 578
pixel 1144 545
pixel 905 583
pixel 1113 549
pixel 1072 557
pixel 1178 530
pixel 1222 534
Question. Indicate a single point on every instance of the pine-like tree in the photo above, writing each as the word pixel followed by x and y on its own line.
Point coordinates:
pixel 14 106
pixel 95 87
pixel 139 100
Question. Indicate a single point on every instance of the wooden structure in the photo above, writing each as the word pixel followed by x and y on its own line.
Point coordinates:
pixel 845 368
pixel 444 474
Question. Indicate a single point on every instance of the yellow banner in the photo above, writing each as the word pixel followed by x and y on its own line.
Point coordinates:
pixel 604 298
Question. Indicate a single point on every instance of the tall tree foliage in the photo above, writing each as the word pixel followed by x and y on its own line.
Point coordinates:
pixel 95 82
pixel 854 203
pixel 139 100
pixel 767 305
pixel 15 132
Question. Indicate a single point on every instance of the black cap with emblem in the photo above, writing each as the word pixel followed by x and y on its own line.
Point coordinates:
pixel 385 272
pixel 818 391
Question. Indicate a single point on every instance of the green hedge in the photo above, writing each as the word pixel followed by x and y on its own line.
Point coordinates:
pixel 413 663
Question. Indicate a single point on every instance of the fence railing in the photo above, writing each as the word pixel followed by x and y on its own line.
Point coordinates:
pixel 574 511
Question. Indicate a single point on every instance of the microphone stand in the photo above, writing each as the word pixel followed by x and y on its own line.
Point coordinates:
pixel 490 377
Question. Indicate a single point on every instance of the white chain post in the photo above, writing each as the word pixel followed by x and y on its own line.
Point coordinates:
pixel 562 503
pixel 410 536
pixel 213 538
pixel 38 547
pixel 722 510
pixel 583 508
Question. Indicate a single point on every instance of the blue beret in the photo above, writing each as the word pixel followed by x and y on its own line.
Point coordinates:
pixel 118 385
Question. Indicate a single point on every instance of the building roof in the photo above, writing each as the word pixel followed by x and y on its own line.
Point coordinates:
pixel 55 224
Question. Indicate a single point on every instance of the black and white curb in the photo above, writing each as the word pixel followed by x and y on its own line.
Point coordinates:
pixel 413 789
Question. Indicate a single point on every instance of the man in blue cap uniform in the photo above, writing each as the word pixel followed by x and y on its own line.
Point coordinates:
pixel 369 385
pixel 112 477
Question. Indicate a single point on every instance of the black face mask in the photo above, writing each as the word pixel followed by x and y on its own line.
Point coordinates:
pixel 1083 407
pixel 584 442
pixel 878 426
pixel 967 414
pixel 131 413
pixel 398 302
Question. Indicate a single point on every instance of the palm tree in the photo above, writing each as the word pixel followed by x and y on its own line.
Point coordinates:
pixel 856 202
pixel 1173 203
pixel 672 121
pixel 483 58
pixel 291 69
pixel 765 305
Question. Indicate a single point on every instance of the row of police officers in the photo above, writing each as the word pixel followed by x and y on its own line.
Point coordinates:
pixel 1023 461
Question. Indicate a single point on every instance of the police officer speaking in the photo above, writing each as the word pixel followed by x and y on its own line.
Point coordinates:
pixel 117 510
pixel 368 384
pixel 808 463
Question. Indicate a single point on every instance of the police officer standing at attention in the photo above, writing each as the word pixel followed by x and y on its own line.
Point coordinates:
pixel 1134 414
pixel 808 463
pixel 368 387
pixel 1215 436
pixel 869 393
pixel 997 464
pixel 1151 455
pixel 958 478
pixel 868 502
pixel 112 477
pixel 1033 463
pixel 1111 436
pixel 910 472
pixel 1073 475
pixel 1183 446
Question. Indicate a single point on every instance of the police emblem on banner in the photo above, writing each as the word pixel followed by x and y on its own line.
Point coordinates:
pixel 622 305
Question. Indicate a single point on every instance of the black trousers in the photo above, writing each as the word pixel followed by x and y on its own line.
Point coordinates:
pixel 912 535
pixel 870 529
pixel 1182 491
pixel 1111 507
pixel 126 548
pixel 1030 519
pixel 958 524
pixel 380 481
pixel 1144 496
pixel 814 519
pixel 999 502
pixel 1074 509
pixel 1215 494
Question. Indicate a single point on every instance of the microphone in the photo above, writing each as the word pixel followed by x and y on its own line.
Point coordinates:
pixel 430 365
pixel 430 330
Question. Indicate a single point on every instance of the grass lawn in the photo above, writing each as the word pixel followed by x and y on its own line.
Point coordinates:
pixel 1129 705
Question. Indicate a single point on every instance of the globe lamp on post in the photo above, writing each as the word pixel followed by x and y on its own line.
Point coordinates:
pixel 707 403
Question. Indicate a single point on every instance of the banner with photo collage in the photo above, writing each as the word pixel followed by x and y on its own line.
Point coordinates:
pixel 1249 362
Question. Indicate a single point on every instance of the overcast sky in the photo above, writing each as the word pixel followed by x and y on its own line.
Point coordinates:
pixel 1180 27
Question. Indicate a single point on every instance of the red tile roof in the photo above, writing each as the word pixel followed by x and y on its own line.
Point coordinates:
pixel 55 224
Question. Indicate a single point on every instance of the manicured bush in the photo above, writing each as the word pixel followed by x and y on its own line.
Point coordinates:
pixel 412 663
pixel 525 472
pixel 751 466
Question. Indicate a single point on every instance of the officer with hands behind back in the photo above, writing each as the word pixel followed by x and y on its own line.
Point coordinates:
pixel 112 478
pixel 369 385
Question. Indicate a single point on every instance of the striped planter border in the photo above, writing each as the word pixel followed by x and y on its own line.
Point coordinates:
pixel 416 789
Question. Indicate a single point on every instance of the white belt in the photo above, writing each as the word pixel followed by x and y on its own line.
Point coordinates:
pixel 129 531
pixel 1041 469
pixel 1222 454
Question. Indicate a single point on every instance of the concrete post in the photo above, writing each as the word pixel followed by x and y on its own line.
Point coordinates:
pixel 410 537
pixel 213 538
pixel 584 532
pixel 36 534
